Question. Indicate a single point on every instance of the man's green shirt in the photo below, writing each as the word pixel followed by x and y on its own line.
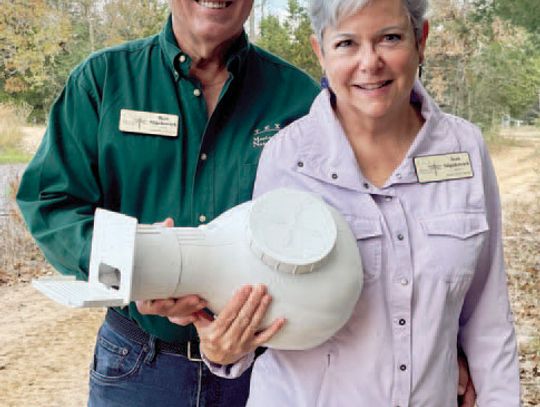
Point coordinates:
pixel 85 161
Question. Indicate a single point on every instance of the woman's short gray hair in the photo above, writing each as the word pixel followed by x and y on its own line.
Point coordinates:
pixel 328 13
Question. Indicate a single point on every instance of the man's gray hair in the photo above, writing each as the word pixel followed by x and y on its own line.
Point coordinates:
pixel 328 13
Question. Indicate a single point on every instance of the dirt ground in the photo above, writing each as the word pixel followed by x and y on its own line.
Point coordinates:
pixel 45 349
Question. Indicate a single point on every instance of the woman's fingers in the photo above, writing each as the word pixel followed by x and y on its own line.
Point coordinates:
pixel 235 332
pixel 257 316
pixel 264 336
pixel 244 319
pixel 231 311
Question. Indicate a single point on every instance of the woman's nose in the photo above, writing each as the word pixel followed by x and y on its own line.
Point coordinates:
pixel 369 59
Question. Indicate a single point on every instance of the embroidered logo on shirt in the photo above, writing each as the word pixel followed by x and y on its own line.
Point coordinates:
pixel 443 167
pixel 263 135
pixel 157 124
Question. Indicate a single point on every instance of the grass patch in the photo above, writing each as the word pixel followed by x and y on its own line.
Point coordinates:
pixel 498 140
pixel 14 156
pixel 12 119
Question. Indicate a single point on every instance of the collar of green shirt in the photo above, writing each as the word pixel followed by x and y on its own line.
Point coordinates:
pixel 235 58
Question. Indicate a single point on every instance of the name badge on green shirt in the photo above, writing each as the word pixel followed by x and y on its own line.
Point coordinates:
pixel 443 167
pixel 157 124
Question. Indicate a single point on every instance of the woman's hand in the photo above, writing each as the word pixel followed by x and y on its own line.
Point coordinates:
pixel 466 391
pixel 235 332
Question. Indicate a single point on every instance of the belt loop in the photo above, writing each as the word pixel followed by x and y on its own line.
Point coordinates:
pixel 150 347
pixel 191 354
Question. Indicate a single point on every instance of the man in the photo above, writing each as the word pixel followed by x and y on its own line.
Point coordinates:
pixel 168 126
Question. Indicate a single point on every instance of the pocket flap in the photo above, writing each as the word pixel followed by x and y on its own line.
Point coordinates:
pixel 365 228
pixel 460 225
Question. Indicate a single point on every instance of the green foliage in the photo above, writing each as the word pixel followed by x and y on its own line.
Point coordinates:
pixel 32 40
pixel 482 59
pixel 124 20
pixel 290 38
pixel 480 66
pixel 41 41
pixel 524 13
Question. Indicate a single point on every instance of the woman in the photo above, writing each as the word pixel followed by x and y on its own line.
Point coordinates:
pixel 419 191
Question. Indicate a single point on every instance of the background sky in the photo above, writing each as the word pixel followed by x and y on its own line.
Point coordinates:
pixel 277 6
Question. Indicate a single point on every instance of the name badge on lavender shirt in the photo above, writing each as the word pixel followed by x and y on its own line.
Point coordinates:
pixel 156 124
pixel 443 167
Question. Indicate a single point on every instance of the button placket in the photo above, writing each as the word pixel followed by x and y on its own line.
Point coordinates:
pixel 401 270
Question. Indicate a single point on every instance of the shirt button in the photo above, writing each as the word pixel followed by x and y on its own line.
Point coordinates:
pixel 400 237
pixel 203 157
pixel 387 198
pixel 182 59
pixel 402 322
pixel 202 218
pixel 300 164
pixel 334 176
pixel 366 185
pixel 402 368
pixel 197 92
pixel 404 281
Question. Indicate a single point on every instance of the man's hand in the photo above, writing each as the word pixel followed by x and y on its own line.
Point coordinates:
pixel 179 310
pixel 466 391
pixel 235 332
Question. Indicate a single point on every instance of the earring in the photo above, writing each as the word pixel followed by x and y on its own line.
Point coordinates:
pixel 326 85
pixel 324 82
pixel 420 67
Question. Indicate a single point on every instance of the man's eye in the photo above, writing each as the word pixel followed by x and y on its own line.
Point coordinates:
pixel 343 44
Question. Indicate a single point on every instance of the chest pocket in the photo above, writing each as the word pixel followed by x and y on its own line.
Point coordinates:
pixel 368 233
pixel 454 242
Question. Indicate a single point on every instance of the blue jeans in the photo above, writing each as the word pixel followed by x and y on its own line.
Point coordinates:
pixel 129 374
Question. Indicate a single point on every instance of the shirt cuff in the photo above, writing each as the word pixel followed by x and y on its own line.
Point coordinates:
pixel 230 371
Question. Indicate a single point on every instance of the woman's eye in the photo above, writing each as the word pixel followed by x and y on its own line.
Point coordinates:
pixel 343 44
pixel 392 37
